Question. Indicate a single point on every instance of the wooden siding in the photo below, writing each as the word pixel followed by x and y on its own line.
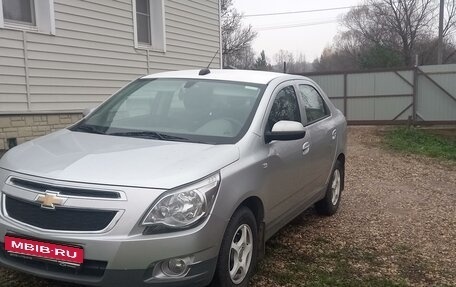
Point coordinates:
pixel 92 54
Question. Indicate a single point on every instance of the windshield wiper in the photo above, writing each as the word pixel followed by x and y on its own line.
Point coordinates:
pixel 139 134
pixel 151 135
pixel 175 138
pixel 87 129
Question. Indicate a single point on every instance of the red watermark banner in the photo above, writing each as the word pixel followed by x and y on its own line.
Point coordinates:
pixel 45 250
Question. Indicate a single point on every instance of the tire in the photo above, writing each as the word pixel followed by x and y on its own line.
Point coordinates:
pixel 330 203
pixel 242 223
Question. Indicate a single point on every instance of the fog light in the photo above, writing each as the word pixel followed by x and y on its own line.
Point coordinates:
pixel 175 267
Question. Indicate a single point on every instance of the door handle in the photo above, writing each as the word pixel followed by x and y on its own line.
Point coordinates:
pixel 334 134
pixel 305 148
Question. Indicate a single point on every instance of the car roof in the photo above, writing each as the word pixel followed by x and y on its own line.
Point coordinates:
pixel 257 77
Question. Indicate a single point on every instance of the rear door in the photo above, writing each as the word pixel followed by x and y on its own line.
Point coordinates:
pixel 322 132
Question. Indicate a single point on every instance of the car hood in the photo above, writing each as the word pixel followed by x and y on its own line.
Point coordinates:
pixel 115 160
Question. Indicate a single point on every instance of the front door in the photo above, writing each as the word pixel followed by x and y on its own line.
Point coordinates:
pixel 285 180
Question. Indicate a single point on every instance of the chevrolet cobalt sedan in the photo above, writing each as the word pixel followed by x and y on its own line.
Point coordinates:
pixel 176 180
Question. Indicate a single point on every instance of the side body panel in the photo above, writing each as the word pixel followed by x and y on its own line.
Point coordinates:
pixel 249 177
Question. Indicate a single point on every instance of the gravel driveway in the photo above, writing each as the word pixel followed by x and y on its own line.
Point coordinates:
pixel 396 227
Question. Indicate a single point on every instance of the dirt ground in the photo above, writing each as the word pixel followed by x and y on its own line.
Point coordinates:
pixel 396 227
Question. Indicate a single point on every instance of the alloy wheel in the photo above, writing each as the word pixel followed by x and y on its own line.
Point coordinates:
pixel 335 187
pixel 240 253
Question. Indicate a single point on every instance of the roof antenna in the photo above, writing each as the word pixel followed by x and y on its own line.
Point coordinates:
pixel 206 70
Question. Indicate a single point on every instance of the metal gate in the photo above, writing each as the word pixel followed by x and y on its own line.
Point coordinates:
pixel 422 95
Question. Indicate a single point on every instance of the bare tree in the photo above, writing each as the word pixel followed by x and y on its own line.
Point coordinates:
pixel 398 25
pixel 283 56
pixel 243 59
pixel 300 64
pixel 389 33
pixel 236 38
pixel 295 63
pixel 427 52
pixel 450 24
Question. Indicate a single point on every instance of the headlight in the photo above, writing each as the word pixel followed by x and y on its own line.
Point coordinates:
pixel 185 206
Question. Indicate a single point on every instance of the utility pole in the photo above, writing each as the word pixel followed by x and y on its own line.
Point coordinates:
pixel 440 44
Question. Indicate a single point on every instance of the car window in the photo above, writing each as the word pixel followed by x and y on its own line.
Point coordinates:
pixel 284 108
pixel 138 104
pixel 198 110
pixel 314 105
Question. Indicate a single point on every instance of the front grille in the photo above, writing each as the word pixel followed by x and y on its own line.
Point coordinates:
pixel 60 218
pixel 90 268
pixel 62 190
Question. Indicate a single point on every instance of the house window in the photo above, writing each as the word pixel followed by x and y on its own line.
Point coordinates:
pixel 149 22
pixel 19 11
pixel 143 21
pixel 31 15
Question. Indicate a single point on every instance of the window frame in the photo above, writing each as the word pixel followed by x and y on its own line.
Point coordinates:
pixel 156 19
pixel 276 91
pixel 42 14
pixel 303 107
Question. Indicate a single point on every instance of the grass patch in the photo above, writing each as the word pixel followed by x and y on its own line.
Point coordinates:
pixel 416 141
pixel 317 274
pixel 322 266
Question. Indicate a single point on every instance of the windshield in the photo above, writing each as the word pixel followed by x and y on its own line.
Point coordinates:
pixel 191 110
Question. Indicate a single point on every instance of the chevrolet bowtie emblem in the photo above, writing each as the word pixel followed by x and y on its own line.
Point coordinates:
pixel 50 199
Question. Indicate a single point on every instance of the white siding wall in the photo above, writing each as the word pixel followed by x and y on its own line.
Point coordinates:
pixel 92 54
pixel 12 72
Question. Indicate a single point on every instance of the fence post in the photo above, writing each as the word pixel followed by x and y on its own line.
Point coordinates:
pixel 345 95
pixel 415 94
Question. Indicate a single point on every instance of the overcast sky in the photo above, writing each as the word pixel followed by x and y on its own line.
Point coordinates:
pixel 310 40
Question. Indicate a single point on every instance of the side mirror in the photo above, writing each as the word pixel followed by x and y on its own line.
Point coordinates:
pixel 87 111
pixel 285 131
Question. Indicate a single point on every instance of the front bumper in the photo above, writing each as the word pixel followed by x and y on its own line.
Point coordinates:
pixel 199 275
pixel 121 255
pixel 123 261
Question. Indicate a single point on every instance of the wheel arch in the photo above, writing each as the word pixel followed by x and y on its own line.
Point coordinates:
pixel 255 204
pixel 341 159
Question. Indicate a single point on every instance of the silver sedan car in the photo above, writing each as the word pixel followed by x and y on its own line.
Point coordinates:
pixel 176 180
